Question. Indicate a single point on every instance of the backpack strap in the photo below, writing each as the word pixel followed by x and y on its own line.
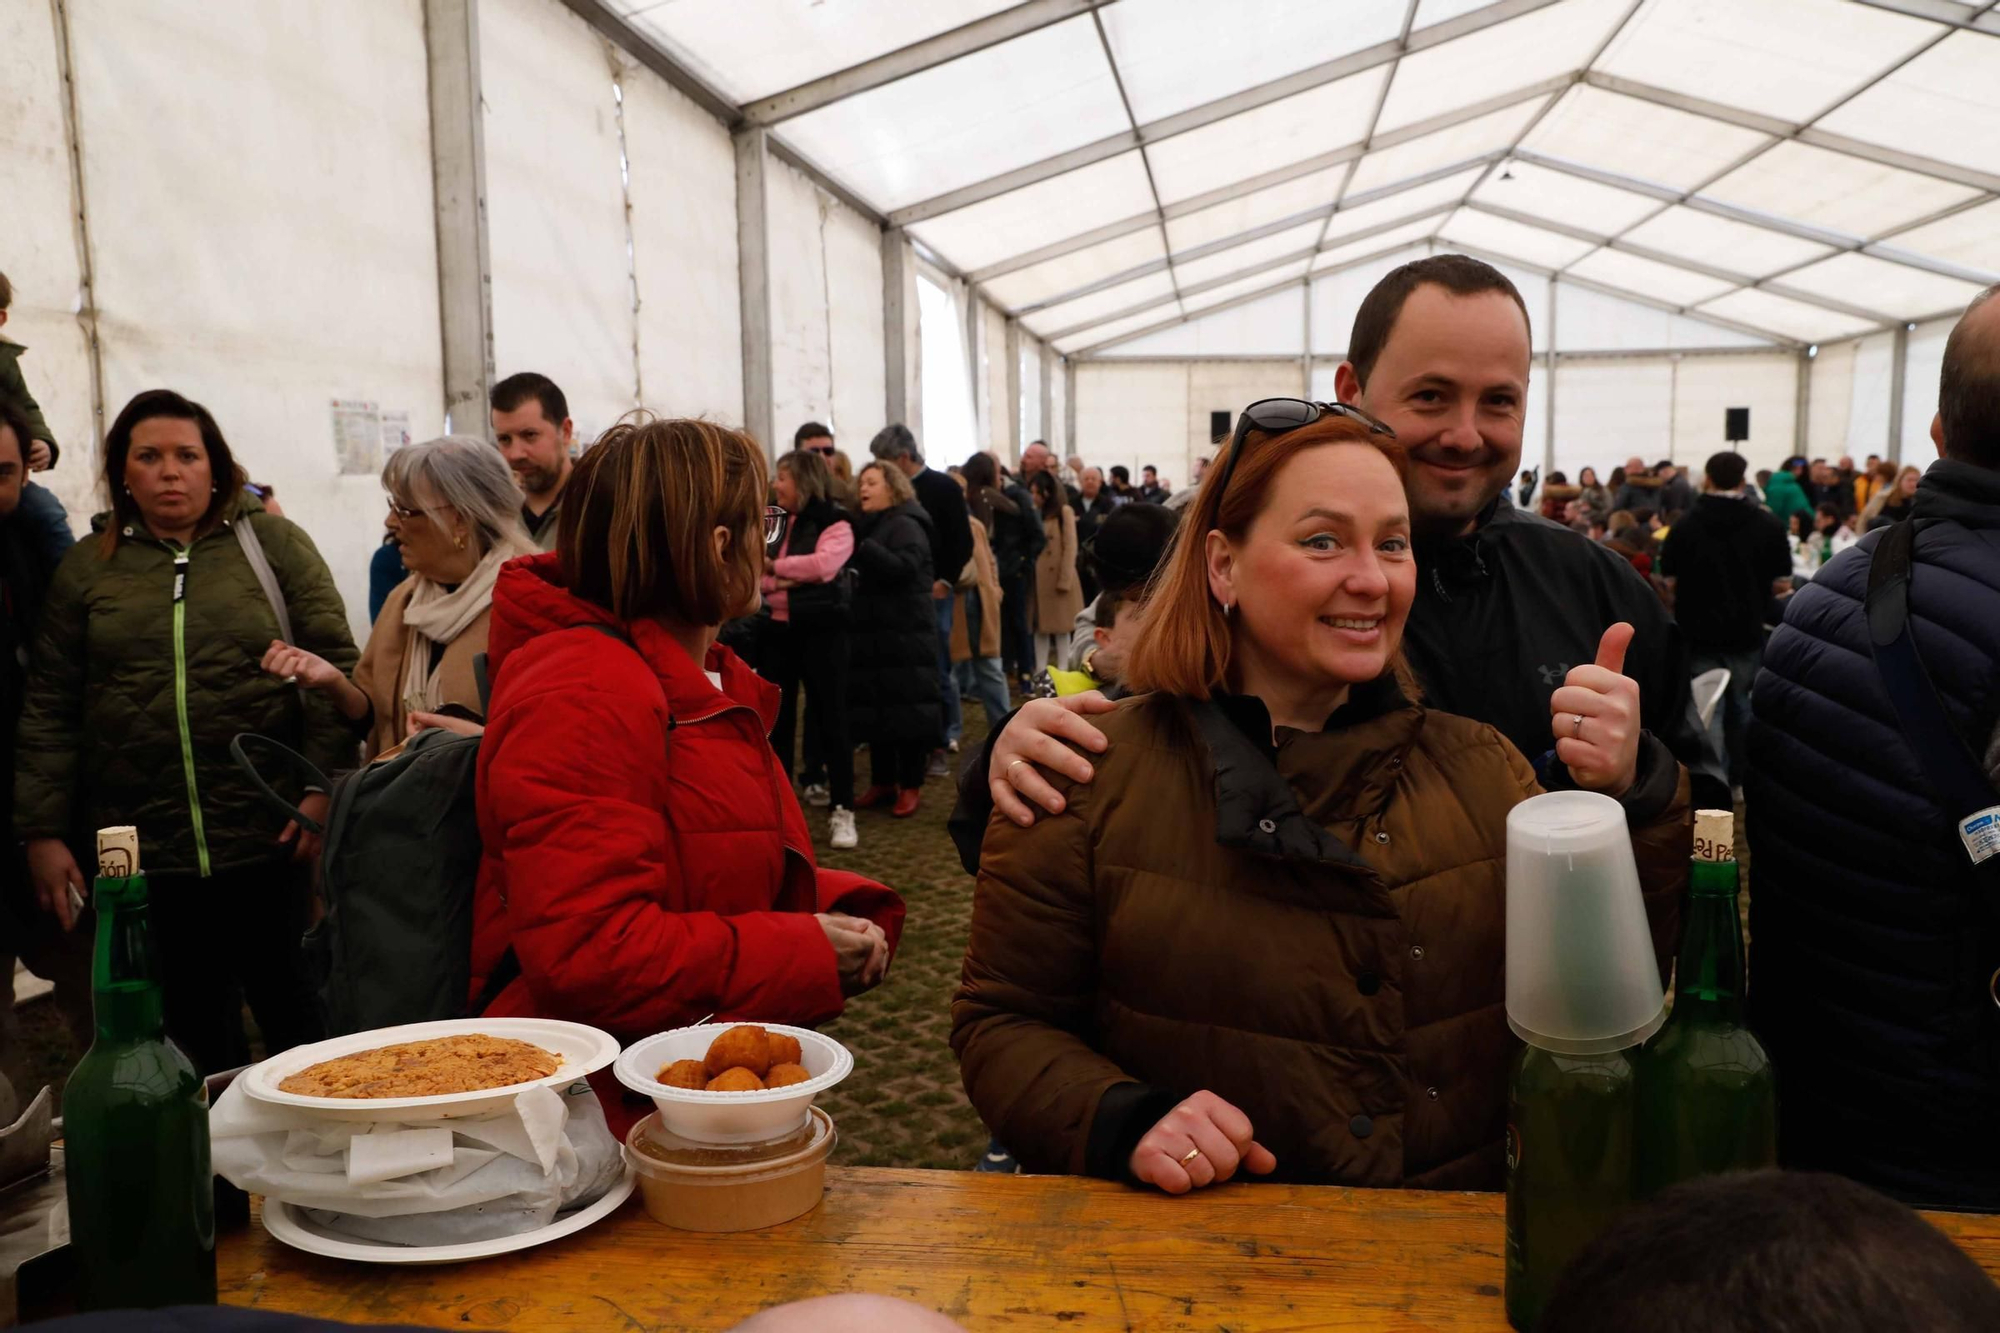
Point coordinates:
pixel 1953 769
pixel 260 565
pixel 300 766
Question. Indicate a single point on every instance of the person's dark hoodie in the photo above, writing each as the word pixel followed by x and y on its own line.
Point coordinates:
pixel 1723 556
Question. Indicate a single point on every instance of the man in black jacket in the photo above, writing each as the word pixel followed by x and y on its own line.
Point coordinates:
pixel 951 528
pixel 1724 559
pixel 1508 603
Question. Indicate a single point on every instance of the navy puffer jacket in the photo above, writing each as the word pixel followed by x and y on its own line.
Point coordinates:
pixel 1870 947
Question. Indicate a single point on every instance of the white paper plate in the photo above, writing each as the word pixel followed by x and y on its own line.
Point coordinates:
pixel 731 1117
pixel 584 1051
pixel 295 1229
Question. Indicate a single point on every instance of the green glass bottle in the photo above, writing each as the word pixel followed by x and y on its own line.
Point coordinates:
pixel 1569 1165
pixel 1708 1100
pixel 135 1121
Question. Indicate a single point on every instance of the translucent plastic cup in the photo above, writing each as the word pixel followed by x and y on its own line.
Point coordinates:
pixel 1581 976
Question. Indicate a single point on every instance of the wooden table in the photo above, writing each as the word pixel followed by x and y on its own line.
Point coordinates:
pixel 994 1252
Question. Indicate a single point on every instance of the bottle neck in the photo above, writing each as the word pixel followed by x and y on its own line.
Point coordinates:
pixel 1708 984
pixel 125 973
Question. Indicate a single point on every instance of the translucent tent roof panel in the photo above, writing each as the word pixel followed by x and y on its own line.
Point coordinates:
pixel 1237 216
pixel 1402 204
pixel 1944 104
pixel 1642 139
pixel 1038 95
pixel 1137 294
pixel 1117 328
pixel 1530 245
pixel 1443 148
pixel 1353 250
pixel 1603 209
pixel 1646 277
pixel 1274 135
pixel 1041 214
pixel 1834 191
pixel 1430 13
pixel 1782 315
pixel 1242 287
pixel 729 43
pixel 1785 58
pixel 1079 268
pixel 1516 54
pixel 1173 54
pixel 1273 325
pixel 1970 237
pixel 1237 257
pixel 1877 284
pixel 1723 242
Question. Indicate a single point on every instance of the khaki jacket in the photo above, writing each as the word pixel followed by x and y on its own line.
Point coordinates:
pixel 380 674
pixel 986 578
pixel 1317 940
pixel 1058 592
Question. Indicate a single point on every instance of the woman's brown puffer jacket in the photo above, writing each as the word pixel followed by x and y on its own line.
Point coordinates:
pixel 1316 935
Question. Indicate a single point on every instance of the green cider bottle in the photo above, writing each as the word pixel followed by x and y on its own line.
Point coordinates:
pixel 135 1120
pixel 1708 1100
pixel 1569 1165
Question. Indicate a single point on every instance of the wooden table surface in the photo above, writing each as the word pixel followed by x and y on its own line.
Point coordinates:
pixel 993 1252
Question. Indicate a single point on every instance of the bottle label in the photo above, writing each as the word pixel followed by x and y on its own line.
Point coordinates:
pixel 1981 834
pixel 1513 1148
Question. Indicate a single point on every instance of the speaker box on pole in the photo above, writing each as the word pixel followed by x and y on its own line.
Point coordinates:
pixel 1736 424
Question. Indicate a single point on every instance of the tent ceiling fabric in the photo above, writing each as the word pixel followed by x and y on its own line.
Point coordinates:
pixel 1803 169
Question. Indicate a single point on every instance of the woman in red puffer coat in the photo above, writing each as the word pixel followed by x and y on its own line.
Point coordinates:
pixel 646 862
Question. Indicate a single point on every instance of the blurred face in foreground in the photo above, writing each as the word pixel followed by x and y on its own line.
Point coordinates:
pixel 1452 382
pixel 1322 581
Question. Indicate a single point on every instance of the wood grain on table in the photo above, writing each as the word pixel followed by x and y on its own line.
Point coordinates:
pixel 994 1252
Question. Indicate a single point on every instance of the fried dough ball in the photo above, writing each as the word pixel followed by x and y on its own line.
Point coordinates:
pixel 744 1047
pixel 785 1050
pixel 783 1076
pixel 736 1080
pixel 691 1074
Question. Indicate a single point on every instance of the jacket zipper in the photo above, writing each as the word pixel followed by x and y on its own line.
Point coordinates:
pixel 181 704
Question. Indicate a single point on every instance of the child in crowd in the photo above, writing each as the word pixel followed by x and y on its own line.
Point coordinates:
pixel 42 513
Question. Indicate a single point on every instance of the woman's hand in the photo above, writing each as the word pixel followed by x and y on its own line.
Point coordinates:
pixel 308 669
pixel 421 721
pixel 1596 719
pixel 1032 741
pixel 56 878
pixel 314 806
pixel 860 950
pixel 1220 1132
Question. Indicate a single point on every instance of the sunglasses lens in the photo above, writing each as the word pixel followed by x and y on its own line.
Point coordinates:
pixel 1281 413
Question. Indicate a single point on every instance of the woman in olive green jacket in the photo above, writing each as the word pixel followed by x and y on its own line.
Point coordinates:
pixel 144 668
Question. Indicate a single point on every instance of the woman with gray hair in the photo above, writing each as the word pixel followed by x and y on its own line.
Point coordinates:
pixel 455 512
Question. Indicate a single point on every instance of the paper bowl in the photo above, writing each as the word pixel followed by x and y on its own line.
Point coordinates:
pixel 731 1117
pixel 584 1051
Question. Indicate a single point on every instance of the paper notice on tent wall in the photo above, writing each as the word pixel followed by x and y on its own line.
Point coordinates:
pixel 395 431
pixel 357 436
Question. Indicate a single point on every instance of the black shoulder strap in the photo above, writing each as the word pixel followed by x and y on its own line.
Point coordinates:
pixel 1947 760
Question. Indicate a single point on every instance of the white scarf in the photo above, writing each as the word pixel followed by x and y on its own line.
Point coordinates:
pixel 433 616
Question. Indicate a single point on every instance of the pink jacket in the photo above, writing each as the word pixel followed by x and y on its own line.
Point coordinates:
pixel 829 554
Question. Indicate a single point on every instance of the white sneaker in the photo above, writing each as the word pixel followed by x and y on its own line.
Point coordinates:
pixel 841 823
pixel 818 794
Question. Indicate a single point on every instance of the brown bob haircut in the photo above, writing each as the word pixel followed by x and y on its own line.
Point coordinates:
pixel 635 534
pixel 1185 644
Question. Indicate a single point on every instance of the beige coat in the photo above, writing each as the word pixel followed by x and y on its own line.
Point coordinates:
pixel 1058 591
pixel 380 674
pixel 986 578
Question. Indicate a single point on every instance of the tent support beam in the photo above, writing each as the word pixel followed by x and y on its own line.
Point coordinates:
pixel 458 179
pixel 903 348
pixel 1048 387
pixel 1802 405
pixel 1899 376
pixel 753 260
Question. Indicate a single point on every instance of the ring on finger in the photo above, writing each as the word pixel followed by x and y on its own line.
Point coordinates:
pixel 1576 725
pixel 1190 1155
pixel 1011 767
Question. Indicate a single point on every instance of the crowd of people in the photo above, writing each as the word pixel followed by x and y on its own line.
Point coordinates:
pixel 1281 716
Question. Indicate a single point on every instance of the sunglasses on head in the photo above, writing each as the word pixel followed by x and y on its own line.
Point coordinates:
pixel 1275 416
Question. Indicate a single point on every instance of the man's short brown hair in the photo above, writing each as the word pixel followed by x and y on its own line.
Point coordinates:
pixel 639 514
pixel 1461 275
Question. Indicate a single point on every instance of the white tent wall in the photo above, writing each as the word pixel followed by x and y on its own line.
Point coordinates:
pixel 42 256
pixel 236 259
pixel 827 355
pixel 1030 406
pixel 1157 412
pixel 1925 364
pixel 562 273
pixel 997 405
pixel 683 189
pixel 1704 386
pixel 1056 428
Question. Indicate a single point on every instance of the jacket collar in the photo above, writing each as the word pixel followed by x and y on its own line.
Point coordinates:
pixel 691 695
pixel 1960 491
pixel 1346 770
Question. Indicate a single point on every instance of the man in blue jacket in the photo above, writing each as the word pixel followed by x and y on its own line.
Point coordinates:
pixel 1875 937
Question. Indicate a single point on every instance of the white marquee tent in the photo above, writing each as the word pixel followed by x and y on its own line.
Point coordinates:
pixel 1096 221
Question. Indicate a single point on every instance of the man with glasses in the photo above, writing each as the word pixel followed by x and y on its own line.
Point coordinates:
pixel 815 438
pixel 1507 602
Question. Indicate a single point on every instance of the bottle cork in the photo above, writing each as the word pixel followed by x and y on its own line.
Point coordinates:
pixel 1715 835
pixel 118 852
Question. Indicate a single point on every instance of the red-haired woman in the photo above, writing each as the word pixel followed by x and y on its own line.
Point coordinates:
pixel 1268 934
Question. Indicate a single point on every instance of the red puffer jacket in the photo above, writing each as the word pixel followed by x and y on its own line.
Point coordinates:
pixel 645 856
